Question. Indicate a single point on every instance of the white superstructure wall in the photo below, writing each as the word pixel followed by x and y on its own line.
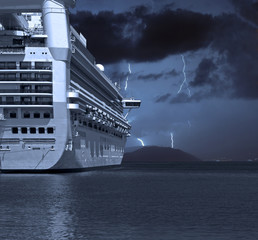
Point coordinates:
pixel 57 27
pixel 27 5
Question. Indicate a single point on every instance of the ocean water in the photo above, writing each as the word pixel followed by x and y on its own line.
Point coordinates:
pixel 132 202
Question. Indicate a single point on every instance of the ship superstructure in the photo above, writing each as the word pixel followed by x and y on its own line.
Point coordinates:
pixel 58 110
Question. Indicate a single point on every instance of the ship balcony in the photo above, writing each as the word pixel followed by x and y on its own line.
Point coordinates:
pixel 73 94
pixel 25 92
pixel 25 77
pixel 32 70
pixel 26 105
pixel 14 51
pixel 73 106
pixel 26 101
pixel 25 82
pixel 39 35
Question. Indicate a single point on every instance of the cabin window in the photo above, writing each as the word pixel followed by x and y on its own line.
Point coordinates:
pixel 44 100
pixel 24 130
pixel 26 76
pixel 44 76
pixel 43 65
pixel 17 41
pixel 9 100
pixel 26 115
pixel 25 88
pixel 25 65
pixel 2 65
pixel 11 76
pixel 25 100
pixel 46 115
pixel 15 130
pixel 36 115
pixel 41 130
pixel 11 65
pixel 43 89
pixel 33 130
pixel 13 115
pixel 50 130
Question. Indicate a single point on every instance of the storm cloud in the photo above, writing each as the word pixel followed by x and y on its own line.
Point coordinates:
pixel 163 98
pixel 144 36
pixel 203 73
pixel 157 76
pixel 247 9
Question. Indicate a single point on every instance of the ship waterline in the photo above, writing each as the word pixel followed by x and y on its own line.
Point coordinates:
pixel 58 110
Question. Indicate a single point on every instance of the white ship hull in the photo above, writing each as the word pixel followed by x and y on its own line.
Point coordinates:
pixel 87 151
pixel 58 111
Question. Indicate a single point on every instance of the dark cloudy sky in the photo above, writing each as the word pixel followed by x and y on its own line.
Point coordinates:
pixel 215 114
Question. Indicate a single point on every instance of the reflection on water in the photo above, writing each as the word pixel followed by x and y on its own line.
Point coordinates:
pixel 130 204
pixel 59 201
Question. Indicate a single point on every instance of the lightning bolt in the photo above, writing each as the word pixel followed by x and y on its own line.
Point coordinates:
pixel 129 68
pixel 140 140
pixel 172 140
pixel 185 80
pixel 126 83
pixel 127 78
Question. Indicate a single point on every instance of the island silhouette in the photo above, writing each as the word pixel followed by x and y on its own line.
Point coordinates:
pixel 156 154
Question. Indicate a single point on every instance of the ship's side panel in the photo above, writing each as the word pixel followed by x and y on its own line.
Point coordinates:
pixel 57 109
pixel 32 129
pixel 35 123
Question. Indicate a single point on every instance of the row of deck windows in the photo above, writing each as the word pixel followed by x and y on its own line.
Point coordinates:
pixel 78 120
pixel 33 130
pixel 24 88
pixel 26 101
pixel 99 128
pixel 36 115
pixel 26 65
pixel 25 76
pixel 45 115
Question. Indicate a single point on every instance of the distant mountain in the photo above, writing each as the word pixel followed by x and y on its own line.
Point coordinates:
pixel 154 154
pixel 132 149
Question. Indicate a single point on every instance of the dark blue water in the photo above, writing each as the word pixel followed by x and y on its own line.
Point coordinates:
pixel 131 203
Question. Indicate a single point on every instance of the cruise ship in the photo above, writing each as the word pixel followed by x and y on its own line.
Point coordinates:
pixel 58 110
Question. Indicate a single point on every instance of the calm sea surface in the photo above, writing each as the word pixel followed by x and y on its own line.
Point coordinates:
pixel 185 202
